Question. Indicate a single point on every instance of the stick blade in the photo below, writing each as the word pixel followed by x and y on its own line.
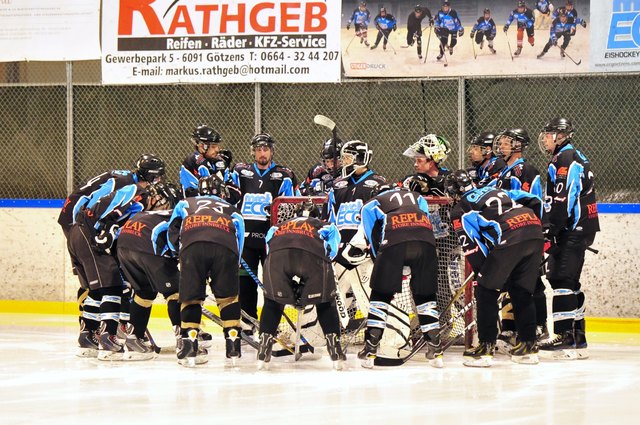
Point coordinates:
pixel 324 121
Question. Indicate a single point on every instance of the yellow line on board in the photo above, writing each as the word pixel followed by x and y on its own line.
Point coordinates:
pixel 594 324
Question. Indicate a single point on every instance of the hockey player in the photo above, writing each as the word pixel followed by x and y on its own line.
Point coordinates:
pixel 414 27
pixel 397 226
pixel 572 16
pixel 202 162
pixel 298 271
pixel 320 177
pixel 502 241
pixel 207 235
pixel 149 168
pixel 429 152
pixel 92 247
pixel 259 183
pixel 542 14
pixel 484 28
pixel 147 264
pixel 573 222
pixel 560 27
pixel 360 19
pixel 487 166
pixel 518 174
pixel 447 24
pixel 385 23
pixel 524 20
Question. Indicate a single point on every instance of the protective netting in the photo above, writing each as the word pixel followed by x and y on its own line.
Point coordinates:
pixel 455 321
pixel 49 115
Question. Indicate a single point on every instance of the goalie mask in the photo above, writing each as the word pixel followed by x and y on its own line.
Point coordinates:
pixel 307 209
pixel 510 141
pixel 481 148
pixel 458 183
pixel 331 154
pixel 150 168
pixel 212 186
pixel 355 155
pixel 557 132
pixel 432 147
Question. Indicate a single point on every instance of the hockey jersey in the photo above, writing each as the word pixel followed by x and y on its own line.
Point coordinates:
pixel 146 232
pixel 543 6
pixel 486 26
pixel 86 196
pixel 360 17
pixel 489 170
pixel 394 217
pixel 414 23
pixel 259 188
pixel 206 219
pixel 571 192
pixel 307 234
pixel 523 20
pixel 386 22
pixel 193 168
pixel 449 21
pixel 115 208
pixel 318 182
pixel 558 29
pixel 519 176
pixel 487 217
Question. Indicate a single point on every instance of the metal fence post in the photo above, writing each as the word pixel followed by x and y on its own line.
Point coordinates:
pixel 69 87
pixel 462 107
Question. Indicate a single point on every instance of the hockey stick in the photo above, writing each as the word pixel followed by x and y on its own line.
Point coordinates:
pixel 567 55
pixel 154 346
pixel 328 123
pixel 388 42
pixel 253 276
pixel 509 44
pixel 218 321
pixel 346 50
pixel 426 51
pixel 444 53
pixel 287 350
pixel 473 47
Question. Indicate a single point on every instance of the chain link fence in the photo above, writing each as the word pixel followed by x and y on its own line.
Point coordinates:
pixel 53 111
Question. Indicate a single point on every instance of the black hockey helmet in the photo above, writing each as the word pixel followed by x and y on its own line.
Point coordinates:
pixel 518 138
pixel 522 3
pixel 417 183
pixel 484 139
pixel 307 209
pixel 150 168
pixel 262 139
pixel 163 194
pixel 358 155
pixel 383 9
pixel 224 159
pixel 562 131
pixel 363 4
pixel 331 152
pixel 212 185
pixel 205 135
pixel 487 10
pixel 446 3
pixel 418 8
pixel 562 13
pixel 458 183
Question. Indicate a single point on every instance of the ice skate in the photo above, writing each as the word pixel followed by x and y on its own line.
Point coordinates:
pixel 264 351
pixel 581 341
pixel 440 56
pixel 419 57
pixel 518 51
pixel 124 329
pixel 540 55
pixel 562 53
pixel 491 49
pixel 479 356
pixel 505 342
pixel 335 351
pixel 204 339
pixel 110 347
pixel 434 349
pixel 136 349
pixel 481 44
pixel 367 355
pixel 525 352
pixel 232 344
pixel 562 347
pixel 366 43
pixel 384 47
pixel 374 46
pixel 450 51
pixel 87 344
pixel 542 333
pixel 188 352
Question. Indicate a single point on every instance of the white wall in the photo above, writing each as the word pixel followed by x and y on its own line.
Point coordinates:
pixel 34 264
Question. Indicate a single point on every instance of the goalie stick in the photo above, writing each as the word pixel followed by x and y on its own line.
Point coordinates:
pixel 331 125
pixel 384 361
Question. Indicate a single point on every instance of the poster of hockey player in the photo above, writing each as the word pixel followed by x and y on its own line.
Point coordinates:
pixel 417 38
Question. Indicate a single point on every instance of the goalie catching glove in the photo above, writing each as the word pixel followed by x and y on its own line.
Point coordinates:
pixel 105 238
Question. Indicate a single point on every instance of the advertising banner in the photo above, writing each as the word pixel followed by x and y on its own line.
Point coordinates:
pixel 400 38
pixel 46 30
pixel 222 41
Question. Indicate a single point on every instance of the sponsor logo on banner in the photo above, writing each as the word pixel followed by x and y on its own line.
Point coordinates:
pixel 223 41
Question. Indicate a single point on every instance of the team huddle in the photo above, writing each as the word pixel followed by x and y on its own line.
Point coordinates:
pixel 561 22
pixel 132 234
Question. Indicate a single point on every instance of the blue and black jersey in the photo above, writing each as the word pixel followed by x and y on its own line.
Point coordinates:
pixel 559 29
pixel 206 219
pixel 571 192
pixel 360 17
pixel 486 26
pixel 543 6
pixel 386 22
pixel 486 218
pixel 520 175
pixel 146 232
pixel 523 20
pixel 307 234
pixel 449 21
pixel 396 216
pixel 489 170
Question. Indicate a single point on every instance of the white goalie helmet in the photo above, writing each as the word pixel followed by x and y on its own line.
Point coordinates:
pixel 431 146
pixel 355 155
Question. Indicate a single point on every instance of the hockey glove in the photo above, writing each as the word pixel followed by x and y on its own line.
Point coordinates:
pixel 472 34
pixel 461 32
pixel 395 27
pixel 554 41
pixel 583 23
pixel 354 256
pixel 105 238
pixel 348 26
pixel 506 28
